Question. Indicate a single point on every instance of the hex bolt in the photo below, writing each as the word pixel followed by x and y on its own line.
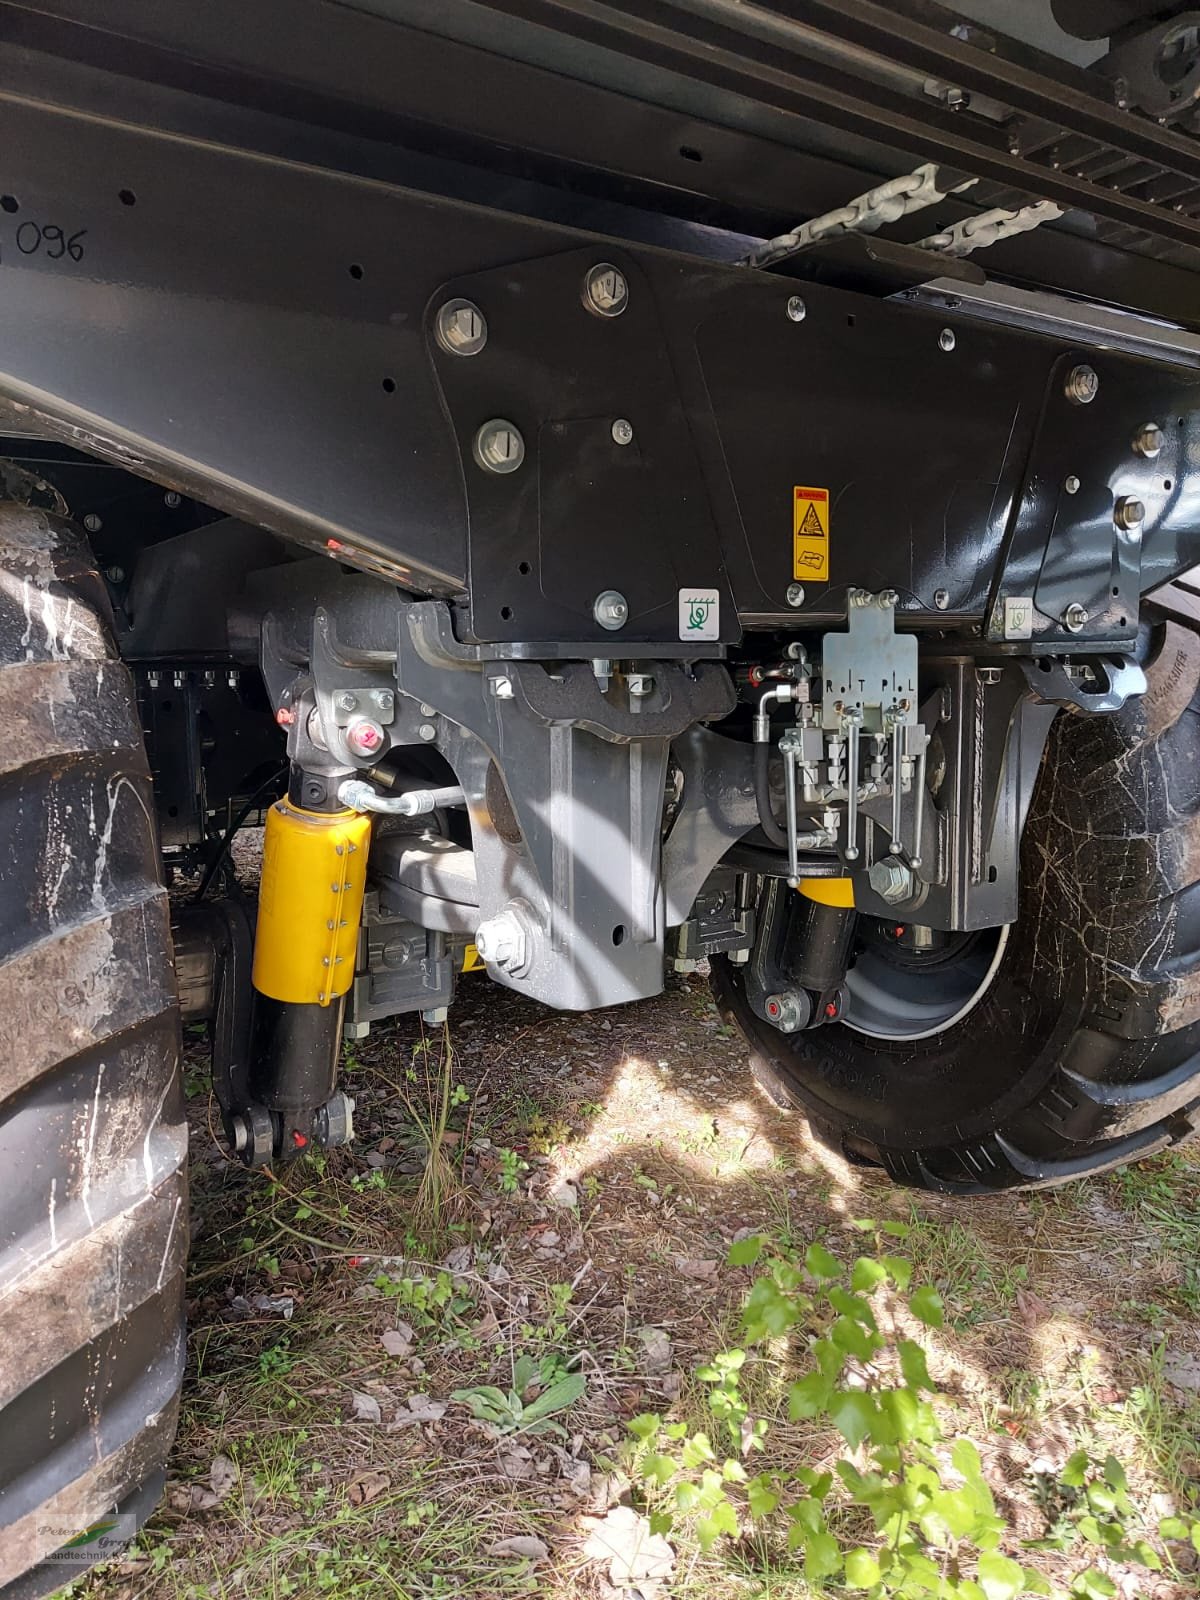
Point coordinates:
pixel 1074 617
pixel 1082 385
pixel 605 290
pixel 1148 440
pixel 640 685
pixel 461 328
pixel 172 500
pixel 115 574
pixel 611 609
pixel 501 941
pixel 427 710
pixel 941 598
pixel 796 309
pixel 384 701
pixel 946 339
pixel 1071 484
pixel 891 880
pixel 499 446
pixel 795 594
pixel 1129 513
pixel 346 701
pixel 427 731
pixel 92 522
pixel 502 688
pixel 364 737
pixel 887 599
pixel 622 431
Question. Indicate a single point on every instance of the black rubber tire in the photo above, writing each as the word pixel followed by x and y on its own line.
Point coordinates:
pixel 1085 1052
pixel 93 1144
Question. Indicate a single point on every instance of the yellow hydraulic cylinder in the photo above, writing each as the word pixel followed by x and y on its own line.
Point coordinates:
pixel 314 875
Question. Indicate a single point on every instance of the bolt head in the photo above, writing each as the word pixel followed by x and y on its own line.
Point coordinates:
pixel 605 290
pixel 611 609
pixel 501 941
pixel 427 731
pixel 1074 617
pixel 891 880
pixel 364 737
pixel 499 446
pixel 346 702
pixel 1071 484
pixel 461 328
pixel 1082 385
pixel 640 685
pixel 946 339
pixel 941 598
pixel 502 688
pixel 1148 440
pixel 795 594
pixel 622 431
pixel 796 309
pixel 1129 514
pixel 92 522
pixel 115 574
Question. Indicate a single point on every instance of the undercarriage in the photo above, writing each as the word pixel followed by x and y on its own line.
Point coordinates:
pixel 606 487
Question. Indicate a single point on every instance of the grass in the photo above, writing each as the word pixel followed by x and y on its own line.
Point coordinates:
pixel 1066 1311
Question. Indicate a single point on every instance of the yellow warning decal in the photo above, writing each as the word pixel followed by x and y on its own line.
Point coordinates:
pixel 810 530
pixel 472 960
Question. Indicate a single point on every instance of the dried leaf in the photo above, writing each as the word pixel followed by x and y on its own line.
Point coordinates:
pixel 695 1268
pixel 657 1351
pixel 394 1342
pixel 367 1486
pixel 222 1476
pixel 635 1556
pixel 521 1544
pixel 365 1407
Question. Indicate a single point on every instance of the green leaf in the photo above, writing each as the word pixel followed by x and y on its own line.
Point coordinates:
pixel 645 1426
pixel 1114 1473
pixel 810 1397
pixel 820 1263
pixel 1094 1585
pixel 914 1366
pixel 722 1519
pixel 762 1497
pixel 867 1275
pixel 851 1305
pixel 900 1271
pixel 659 1470
pixel 807 1515
pixel 661 1522
pixel 862 1569
pixel 1173 1528
pixel 769 1312
pixel 696 1450
pixel 853 1339
pixel 746 1251
pixel 964 1458
pixel 558 1397
pixel 926 1305
pixel 1000 1578
pixel 853 1414
pixel 1074 1474
pixel 822 1557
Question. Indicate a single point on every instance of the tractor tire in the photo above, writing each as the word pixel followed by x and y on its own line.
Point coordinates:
pixel 1084 1051
pixel 93 1144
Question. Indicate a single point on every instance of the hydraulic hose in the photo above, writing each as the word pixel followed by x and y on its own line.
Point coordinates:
pixel 762 795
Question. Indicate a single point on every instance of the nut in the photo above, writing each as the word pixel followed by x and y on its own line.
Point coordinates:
pixel 501 941
pixel 1074 617
pixel 946 339
pixel 461 328
pixel 605 290
pixel 795 594
pixel 364 737
pixel 622 431
pixel 796 309
pixel 611 609
pixel 499 446
pixel 1148 440
pixel 891 880
pixel 1082 385
pixel 1129 513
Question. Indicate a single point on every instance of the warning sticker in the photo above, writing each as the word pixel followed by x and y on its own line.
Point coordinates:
pixel 810 531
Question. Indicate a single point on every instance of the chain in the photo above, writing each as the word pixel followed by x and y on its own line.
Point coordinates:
pixel 989 227
pixel 888 202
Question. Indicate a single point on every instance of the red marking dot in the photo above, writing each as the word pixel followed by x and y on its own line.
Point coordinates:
pixel 356 1261
pixel 830 1010
pixel 333 544
pixel 899 932
pixel 773 1008
pixel 299 1139
pixel 285 716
